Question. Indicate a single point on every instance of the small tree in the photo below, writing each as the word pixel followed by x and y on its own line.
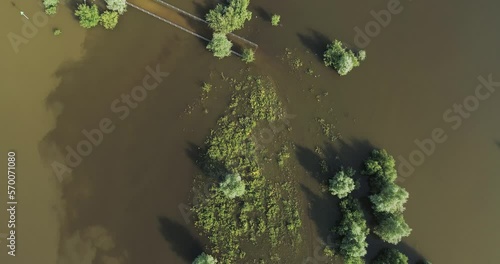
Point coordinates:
pixel 392 256
pixel 275 20
pixel 50 6
pixel 88 15
pixel 205 259
pixel 248 55
pixel 220 45
pixel 340 58
pixel 362 55
pixel 342 183
pixel 225 19
pixel 119 6
pixel 233 186
pixel 109 19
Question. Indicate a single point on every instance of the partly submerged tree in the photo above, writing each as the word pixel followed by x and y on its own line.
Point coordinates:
pixel 381 167
pixel 109 19
pixel 392 228
pixel 390 256
pixel 342 184
pixel 205 259
pixel 352 230
pixel 228 18
pixel 50 6
pixel 248 55
pixel 390 200
pixel 233 186
pixel 119 6
pixel 88 15
pixel 340 58
pixel 361 55
pixel 220 45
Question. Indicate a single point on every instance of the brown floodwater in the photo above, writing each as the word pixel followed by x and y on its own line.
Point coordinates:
pixel 120 203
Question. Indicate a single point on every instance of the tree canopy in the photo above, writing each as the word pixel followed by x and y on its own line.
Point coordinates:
pixel 88 15
pixel 353 231
pixel 109 19
pixel 50 6
pixel 119 6
pixel 233 186
pixel 342 183
pixel 220 45
pixel 228 18
pixel 340 58
pixel 390 200
pixel 205 259
pixel 392 228
pixel 390 256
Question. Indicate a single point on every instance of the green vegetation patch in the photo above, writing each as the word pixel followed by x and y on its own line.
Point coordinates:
pixel 342 59
pixel 266 212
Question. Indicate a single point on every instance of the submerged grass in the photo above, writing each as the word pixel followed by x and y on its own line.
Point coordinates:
pixel 267 214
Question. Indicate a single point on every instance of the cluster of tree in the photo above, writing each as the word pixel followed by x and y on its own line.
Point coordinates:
pixel 341 59
pixel 90 17
pixel 342 184
pixel 205 259
pixel 50 6
pixel 392 256
pixel 353 231
pixel 224 19
pixel 387 198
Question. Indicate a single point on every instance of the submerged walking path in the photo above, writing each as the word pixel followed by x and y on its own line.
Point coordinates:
pixel 187 22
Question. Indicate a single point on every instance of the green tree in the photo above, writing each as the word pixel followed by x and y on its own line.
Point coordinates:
pixel 233 186
pixel 228 18
pixel 50 6
pixel 220 45
pixel 392 228
pixel 205 259
pixel 275 20
pixel 352 230
pixel 390 256
pixel 340 58
pixel 390 200
pixel 342 183
pixel 248 55
pixel 119 6
pixel 109 19
pixel 381 167
pixel 88 15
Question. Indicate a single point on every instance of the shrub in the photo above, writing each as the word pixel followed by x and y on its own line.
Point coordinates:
pixel 275 20
pixel 220 45
pixel 248 56
pixel 57 32
pixel 109 19
pixel 226 19
pixel 362 55
pixel 88 15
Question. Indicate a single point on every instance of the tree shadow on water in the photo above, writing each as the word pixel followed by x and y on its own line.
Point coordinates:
pixel 316 42
pixel 182 242
pixel 261 12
